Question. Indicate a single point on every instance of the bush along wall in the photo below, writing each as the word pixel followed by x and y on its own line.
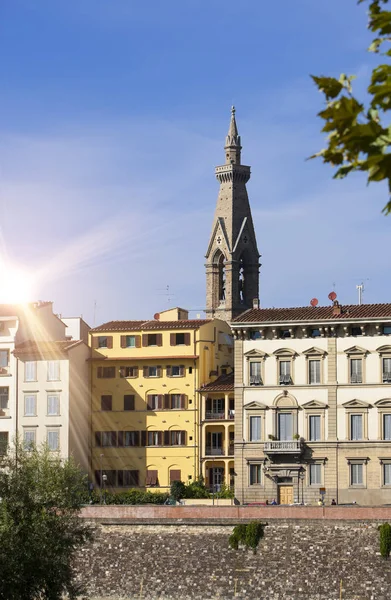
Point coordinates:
pixel 248 535
pixel 385 540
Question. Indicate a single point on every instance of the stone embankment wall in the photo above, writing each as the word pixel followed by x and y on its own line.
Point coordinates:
pixel 296 560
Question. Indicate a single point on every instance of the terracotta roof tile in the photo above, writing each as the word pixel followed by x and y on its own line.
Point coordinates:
pixel 148 325
pixel 224 383
pixel 44 349
pixel 318 313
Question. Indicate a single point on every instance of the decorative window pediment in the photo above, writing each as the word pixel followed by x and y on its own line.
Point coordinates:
pixel 384 350
pixel 255 354
pixel 285 400
pixel 356 404
pixel 314 351
pixel 384 403
pixel 285 352
pixel 255 406
pixel 356 350
pixel 315 404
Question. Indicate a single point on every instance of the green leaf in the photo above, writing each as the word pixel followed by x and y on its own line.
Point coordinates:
pixel 330 86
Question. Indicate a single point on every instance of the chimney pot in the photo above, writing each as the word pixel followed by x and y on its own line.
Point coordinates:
pixel 337 308
pixel 256 303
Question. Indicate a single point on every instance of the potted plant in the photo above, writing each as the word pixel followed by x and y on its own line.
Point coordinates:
pixel 296 436
pixel 271 437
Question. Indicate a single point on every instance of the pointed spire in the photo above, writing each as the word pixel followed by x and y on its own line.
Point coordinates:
pixel 232 141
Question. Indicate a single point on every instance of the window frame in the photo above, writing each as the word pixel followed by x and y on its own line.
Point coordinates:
pixel 357 462
pixel 53 395
pixel 57 369
pixel 356 353
pixel 315 415
pixel 33 442
pixel 250 419
pixel 30 395
pixel 255 356
pixel 255 467
pixel 7 365
pixel 4 394
pixel 30 362
pixel 51 432
pixel 319 466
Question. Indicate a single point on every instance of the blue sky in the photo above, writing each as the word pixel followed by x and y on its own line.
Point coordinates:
pixel 113 115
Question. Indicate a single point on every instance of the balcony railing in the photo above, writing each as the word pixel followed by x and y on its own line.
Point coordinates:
pixel 214 416
pixel 231 414
pixel 214 451
pixel 283 447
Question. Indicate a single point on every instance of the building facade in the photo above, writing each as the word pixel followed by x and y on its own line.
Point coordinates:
pixel 217 432
pixel 313 404
pixel 145 400
pixel 232 258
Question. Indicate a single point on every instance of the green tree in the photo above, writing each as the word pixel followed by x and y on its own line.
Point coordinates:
pixel 358 134
pixel 385 540
pixel 40 529
pixel 178 490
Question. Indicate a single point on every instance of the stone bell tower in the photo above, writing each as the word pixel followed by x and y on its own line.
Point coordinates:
pixel 232 267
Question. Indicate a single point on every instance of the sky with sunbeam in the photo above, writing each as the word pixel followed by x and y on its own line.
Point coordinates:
pixel 113 116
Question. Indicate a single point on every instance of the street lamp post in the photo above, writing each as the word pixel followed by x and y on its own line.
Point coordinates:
pixel 104 488
pixel 100 478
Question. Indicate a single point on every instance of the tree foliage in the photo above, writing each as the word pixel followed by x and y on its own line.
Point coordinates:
pixel 358 135
pixel 39 524
pixel 249 535
pixel 385 540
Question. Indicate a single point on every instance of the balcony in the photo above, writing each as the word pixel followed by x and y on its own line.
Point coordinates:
pixel 231 414
pixel 291 447
pixel 214 416
pixel 214 451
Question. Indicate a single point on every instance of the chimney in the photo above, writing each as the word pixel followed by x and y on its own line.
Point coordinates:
pixel 256 303
pixel 337 308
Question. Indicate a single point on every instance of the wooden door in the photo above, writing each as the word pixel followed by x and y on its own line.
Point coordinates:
pixel 286 494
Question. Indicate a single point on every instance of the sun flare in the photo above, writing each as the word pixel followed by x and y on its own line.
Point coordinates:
pixel 15 284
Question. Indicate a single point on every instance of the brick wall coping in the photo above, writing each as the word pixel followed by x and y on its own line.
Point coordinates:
pixel 228 514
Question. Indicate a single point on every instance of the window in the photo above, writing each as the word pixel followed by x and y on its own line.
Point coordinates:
pixel 130 438
pixel 129 402
pixel 29 439
pixel 315 333
pixel 130 341
pixel 4 360
pixel 53 404
pixel 387 330
pixel 386 427
pixel 176 402
pixel 53 370
pixel 314 371
pixel 179 339
pixel 356 427
pixel 285 372
pixel 106 438
pixel 151 477
pixel 356 370
pixel 177 438
pixel 285 426
pixel 285 333
pixel 3 442
pixel 154 401
pixel 54 440
pixel 255 429
pixel 315 474
pixel 30 370
pixel 30 405
pixel 255 373
pixel 151 372
pixel 4 397
pixel 387 474
pixel 151 339
pixel 106 403
pixel 175 475
pixel 314 423
pixel 255 335
pixel 154 438
pixel 128 371
pixel 128 478
pixel 386 362
pixel 255 474
pixel 356 331
pixel 176 371
pixel 106 372
pixel 356 474
pixel 103 341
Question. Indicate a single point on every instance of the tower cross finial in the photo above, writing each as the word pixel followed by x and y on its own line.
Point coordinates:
pixel 232 141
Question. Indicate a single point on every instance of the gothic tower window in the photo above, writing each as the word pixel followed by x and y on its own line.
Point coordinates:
pixel 222 276
pixel 242 272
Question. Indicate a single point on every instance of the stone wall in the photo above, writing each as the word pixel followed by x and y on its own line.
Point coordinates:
pixel 296 560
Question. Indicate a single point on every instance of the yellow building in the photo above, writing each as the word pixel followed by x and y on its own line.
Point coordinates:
pixel 218 432
pixel 145 404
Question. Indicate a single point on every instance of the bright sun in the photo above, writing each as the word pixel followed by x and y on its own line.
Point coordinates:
pixel 15 284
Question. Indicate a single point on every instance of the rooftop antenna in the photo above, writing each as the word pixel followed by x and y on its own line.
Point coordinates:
pixel 360 288
pixel 95 307
pixel 166 292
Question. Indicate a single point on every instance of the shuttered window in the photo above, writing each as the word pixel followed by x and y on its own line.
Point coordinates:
pixel 106 372
pixel 314 371
pixel 105 341
pixel 151 477
pixel 154 438
pixel 255 373
pixel 128 372
pixel 356 427
pixel 30 405
pixel 129 402
pixel 106 402
pixel 315 474
pixel 387 427
pixel 314 422
pixel 255 429
pixel 108 438
pixel 30 370
pixel 175 475
pixel 285 372
pixel 386 370
pixel 177 438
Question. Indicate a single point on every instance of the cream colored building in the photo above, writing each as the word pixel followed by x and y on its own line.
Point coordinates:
pixel 313 404
pixel 19 323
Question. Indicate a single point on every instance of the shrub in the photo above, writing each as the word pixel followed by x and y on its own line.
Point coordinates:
pixel 129 497
pixel 178 490
pixel 385 540
pixel 196 489
pixel 225 492
pixel 248 535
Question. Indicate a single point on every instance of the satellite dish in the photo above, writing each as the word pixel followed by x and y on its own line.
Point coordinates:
pixel 332 296
pixel 156 316
pixel 314 302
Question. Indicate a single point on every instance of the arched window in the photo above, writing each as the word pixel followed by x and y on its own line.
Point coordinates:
pixel 219 259
pixel 241 281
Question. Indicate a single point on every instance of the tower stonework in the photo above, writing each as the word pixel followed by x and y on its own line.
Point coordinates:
pixel 232 267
